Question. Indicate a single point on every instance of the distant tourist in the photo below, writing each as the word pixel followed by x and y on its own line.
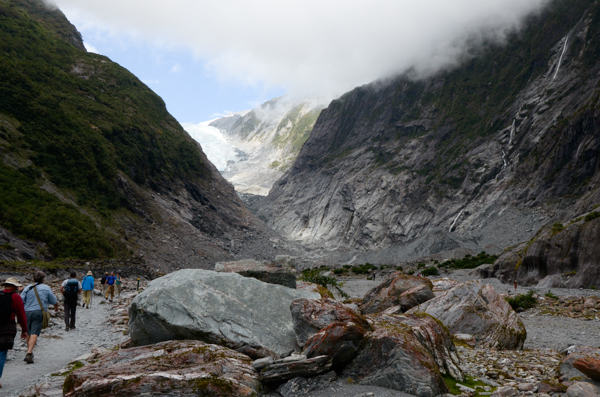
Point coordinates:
pixel 110 289
pixel 70 288
pixel 118 284
pixel 11 305
pixel 103 282
pixel 88 287
pixel 36 298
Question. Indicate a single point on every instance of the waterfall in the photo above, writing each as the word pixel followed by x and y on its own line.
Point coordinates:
pixel 455 219
pixel 512 132
pixel 561 57
pixel 504 159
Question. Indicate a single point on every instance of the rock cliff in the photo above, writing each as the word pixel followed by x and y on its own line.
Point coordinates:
pixel 479 157
pixel 93 166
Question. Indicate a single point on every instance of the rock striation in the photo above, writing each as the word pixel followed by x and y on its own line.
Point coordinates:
pixel 221 308
pixel 174 368
pixel 476 309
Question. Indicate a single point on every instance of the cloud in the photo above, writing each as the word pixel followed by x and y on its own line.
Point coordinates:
pixel 176 68
pixel 311 46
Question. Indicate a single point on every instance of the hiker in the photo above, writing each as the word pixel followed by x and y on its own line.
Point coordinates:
pixel 70 288
pixel 118 284
pixel 11 305
pixel 103 282
pixel 88 287
pixel 36 299
pixel 110 290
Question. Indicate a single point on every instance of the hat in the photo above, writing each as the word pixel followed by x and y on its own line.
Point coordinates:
pixel 12 281
pixel 106 273
pixel 89 273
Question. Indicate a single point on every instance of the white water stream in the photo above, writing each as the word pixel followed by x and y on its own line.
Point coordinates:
pixel 561 57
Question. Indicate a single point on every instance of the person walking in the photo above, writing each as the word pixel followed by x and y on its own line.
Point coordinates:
pixel 103 282
pixel 11 306
pixel 87 285
pixel 70 288
pixel 110 289
pixel 32 296
pixel 118 284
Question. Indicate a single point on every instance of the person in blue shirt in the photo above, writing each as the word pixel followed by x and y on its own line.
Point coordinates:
pixel 87 284
pixel 33 311
pixel 110 281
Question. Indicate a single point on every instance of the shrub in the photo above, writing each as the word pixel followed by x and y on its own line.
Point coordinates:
pixel 557 227
pixel 551 295
pixel 591 216
pixel 363 269
pixel 525 301
pixel 315 276
pixel 430 271
pixel 469 262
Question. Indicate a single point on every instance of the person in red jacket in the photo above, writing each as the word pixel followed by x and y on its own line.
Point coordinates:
pixel 11 306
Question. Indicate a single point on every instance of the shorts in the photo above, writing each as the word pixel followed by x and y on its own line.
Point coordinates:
pixel 34 322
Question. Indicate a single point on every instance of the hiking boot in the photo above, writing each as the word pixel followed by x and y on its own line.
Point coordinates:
pixel 67 329
pixel 29 358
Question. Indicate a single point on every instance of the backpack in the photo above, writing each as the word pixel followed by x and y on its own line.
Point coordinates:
pixel 5 307
pixel 71 290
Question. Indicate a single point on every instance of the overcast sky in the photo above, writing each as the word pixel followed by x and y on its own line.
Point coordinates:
pixel 207 57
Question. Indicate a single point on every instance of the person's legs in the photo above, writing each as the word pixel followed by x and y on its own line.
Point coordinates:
pixel 34 328
pixel 2 360
pixel 119 289
pixel 87 296
pixel 73 311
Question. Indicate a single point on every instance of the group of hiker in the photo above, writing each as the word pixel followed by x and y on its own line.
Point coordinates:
pixel 29 307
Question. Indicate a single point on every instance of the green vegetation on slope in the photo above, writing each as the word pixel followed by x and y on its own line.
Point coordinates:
pixel 81 119
pixel 469 262
pixel 300 131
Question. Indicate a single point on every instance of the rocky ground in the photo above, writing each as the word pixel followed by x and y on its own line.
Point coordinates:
pixel 98 329
pixel 552 326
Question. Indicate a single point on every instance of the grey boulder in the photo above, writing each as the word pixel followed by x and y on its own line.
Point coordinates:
pixel 583 389
pixel 221 308
pixel 476 309
pixel 285 369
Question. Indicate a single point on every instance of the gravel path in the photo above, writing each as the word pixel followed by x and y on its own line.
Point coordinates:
pixel 56 348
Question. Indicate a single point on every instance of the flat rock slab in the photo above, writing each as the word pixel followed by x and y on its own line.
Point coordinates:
pixel 174 368
pixel 476 309
pixel 220 308
pixel 386 294
pixel 283 370
pixel 279 272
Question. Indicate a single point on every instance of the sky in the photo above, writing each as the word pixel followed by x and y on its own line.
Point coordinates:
pixel 207 58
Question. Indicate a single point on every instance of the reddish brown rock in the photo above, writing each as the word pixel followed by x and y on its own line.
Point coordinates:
pixel 310 316
pixel 414 297
pixel 187 367
pixel 590 366
pixel 436 338
pixel 386 294
pixel 394 358
pixel 567 368
pixel 339 340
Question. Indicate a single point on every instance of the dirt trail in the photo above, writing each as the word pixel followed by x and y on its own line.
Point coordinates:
pixel 56 348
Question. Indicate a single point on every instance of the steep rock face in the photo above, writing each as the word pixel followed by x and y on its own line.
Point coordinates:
pixel 480 157
pixel 93 165
pixel 572 249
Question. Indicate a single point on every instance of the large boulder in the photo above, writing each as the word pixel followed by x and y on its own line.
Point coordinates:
pixel 221 308
pixel 583 389
pixel 386 294
pixel 414 297
pixel 436 338
pixel 567 369
pixel 394 358
pixel 338 340
pixel 310 316
pixel 590 366
pixel 476 309
pixel 278 272
pixel 174 368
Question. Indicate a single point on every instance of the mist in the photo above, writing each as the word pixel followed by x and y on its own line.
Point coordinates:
pixel 312 47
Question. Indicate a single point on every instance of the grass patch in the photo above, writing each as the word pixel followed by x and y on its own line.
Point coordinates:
pixel 524 301
pixel 591 216
pixel 557 227
pixel 550 295
pixel 469 382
